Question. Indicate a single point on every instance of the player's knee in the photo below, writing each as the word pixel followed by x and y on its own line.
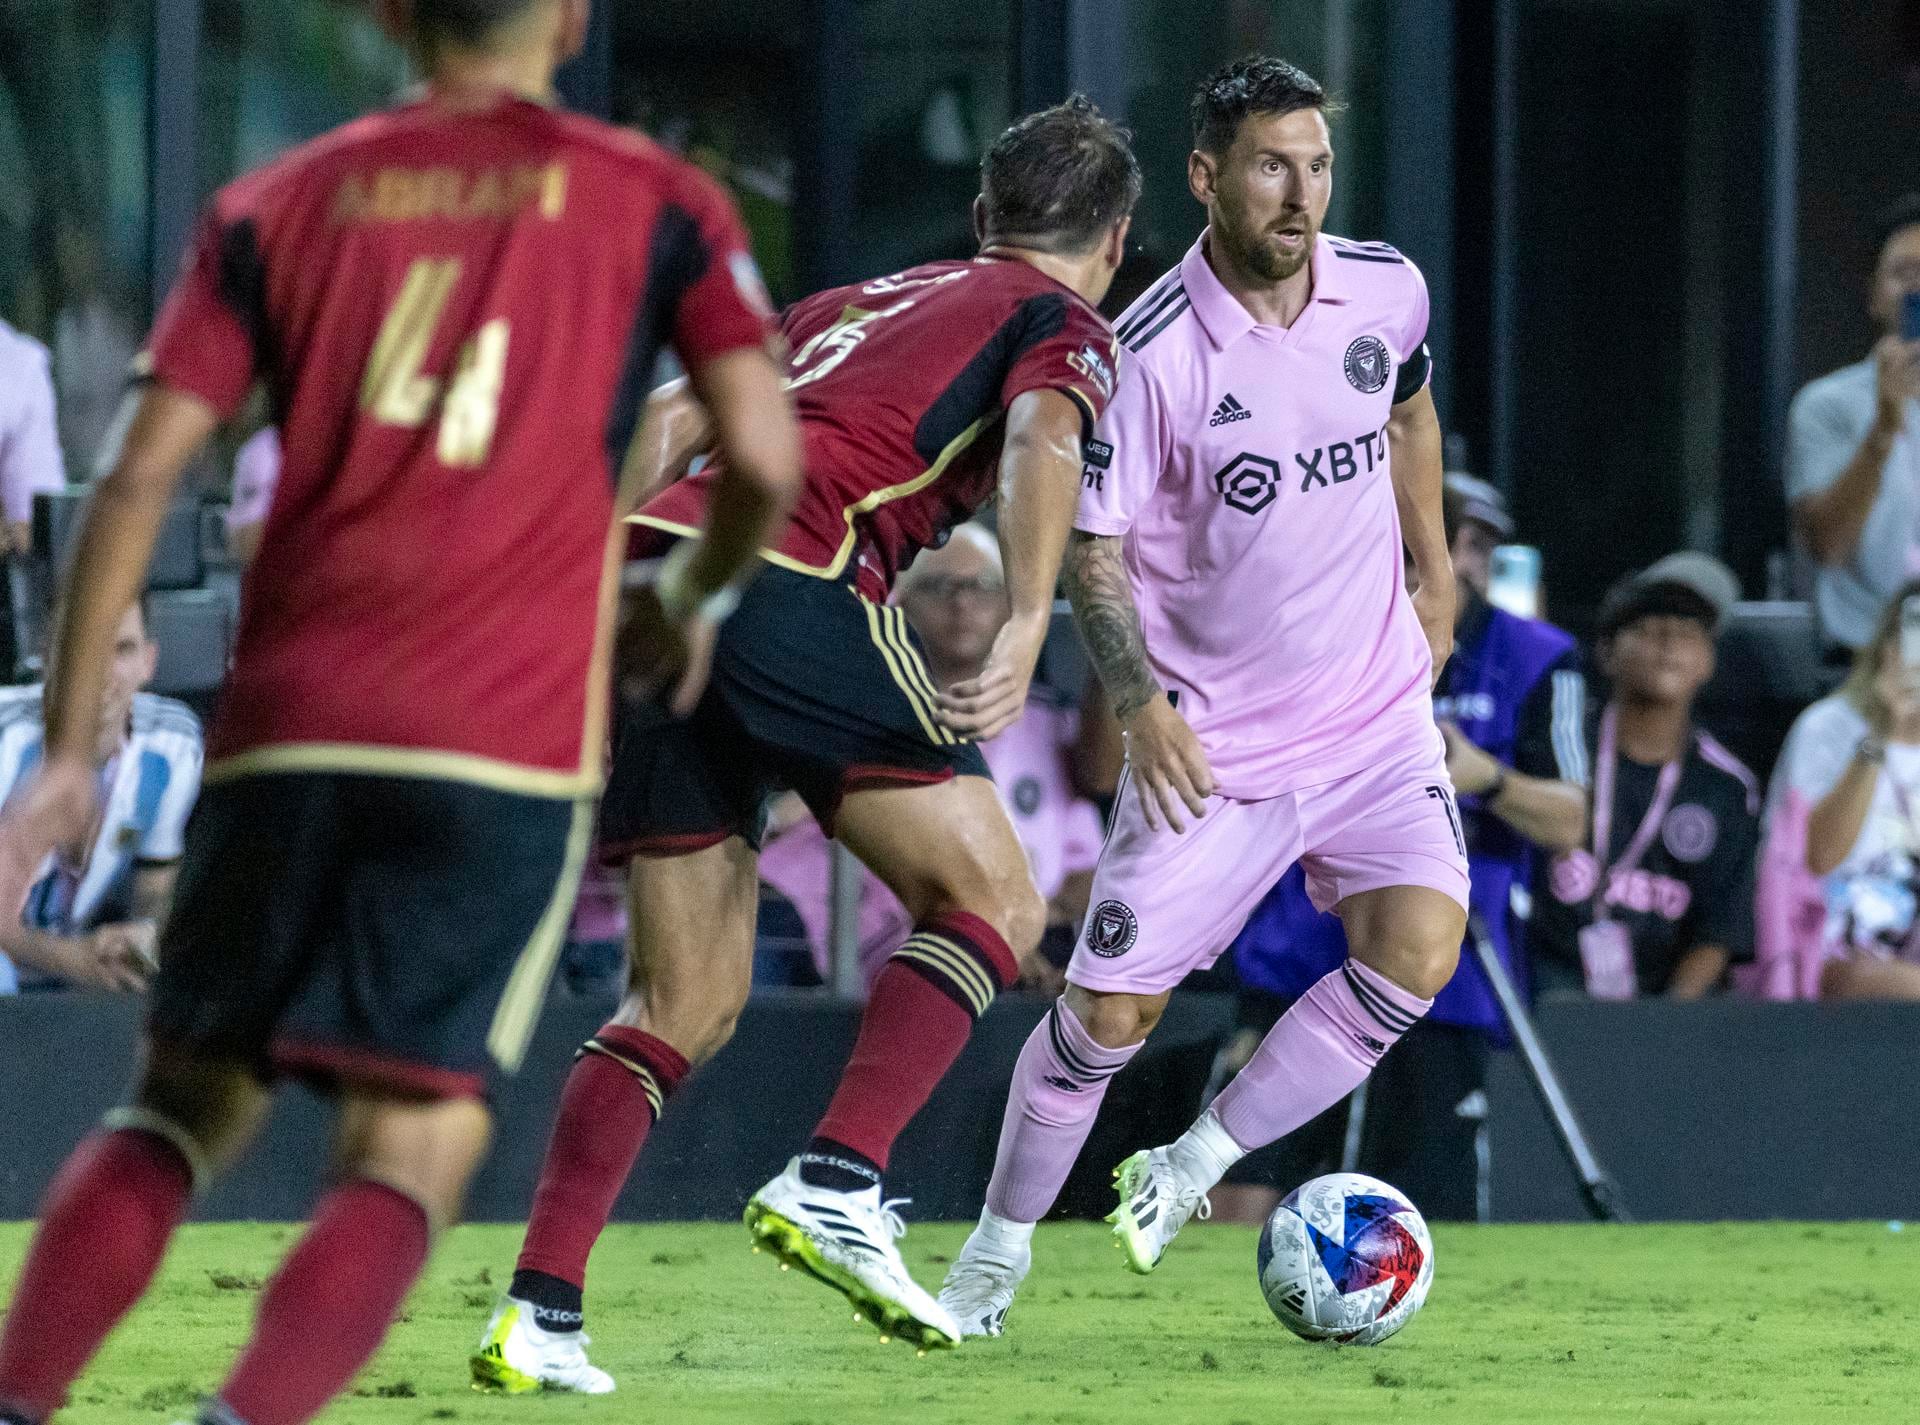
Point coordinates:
pixel 1024 917
pixel 1421 966
pixel 1115 1021
pixel 426 1150
pixel 209 1108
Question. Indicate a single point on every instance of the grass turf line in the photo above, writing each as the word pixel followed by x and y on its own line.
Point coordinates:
pixel 1788 1324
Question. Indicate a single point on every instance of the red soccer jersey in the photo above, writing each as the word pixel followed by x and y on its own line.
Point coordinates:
pixel 457 316
pixel 902 386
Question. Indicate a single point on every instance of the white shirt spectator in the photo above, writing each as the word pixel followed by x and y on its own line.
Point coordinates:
pixel 1826 425
pixel 29 432
pixel 1814 759
pixel 148 791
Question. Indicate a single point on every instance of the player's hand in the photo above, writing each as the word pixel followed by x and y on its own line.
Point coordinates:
pixel 1472 770
pixel 1897 370
pixel 661 659
pixel 115 957
pixel 56 807
pixel 1433 603
pixel 1897 690
pixel 984 707
pixel 1168 763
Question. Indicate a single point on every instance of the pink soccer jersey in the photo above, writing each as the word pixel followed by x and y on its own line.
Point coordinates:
pixel 1248 467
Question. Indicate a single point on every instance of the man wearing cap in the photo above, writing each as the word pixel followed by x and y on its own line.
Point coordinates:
pixel 1660 898
pixel 1853 453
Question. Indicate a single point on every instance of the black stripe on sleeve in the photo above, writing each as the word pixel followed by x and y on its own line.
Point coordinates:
pixel 1413 374
pixel 243 287
pixel 676 259
pixel 1168 320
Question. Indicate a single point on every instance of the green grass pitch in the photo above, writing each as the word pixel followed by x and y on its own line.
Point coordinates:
pixel 1781 1323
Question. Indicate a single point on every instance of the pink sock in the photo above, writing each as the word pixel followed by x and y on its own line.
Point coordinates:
pixel 1058 1083
pixel 1319 1052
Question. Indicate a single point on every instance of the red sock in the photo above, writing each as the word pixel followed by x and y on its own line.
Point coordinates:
pixel 613 1097
pixel 104 1227
pixel 919 1017
pixel 327 1309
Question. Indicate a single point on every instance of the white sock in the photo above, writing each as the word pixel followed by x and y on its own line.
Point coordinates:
pixel 1204 1152
pixel 1003 1233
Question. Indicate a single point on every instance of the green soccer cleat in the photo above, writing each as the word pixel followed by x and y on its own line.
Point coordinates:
pixel 846 1240
pixel 516 1357
pixel 1155 1203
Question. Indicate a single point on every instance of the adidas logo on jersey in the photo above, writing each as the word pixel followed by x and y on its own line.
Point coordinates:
pixel 1229 411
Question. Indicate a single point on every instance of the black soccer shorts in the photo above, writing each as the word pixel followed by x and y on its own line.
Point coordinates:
pixel 815 689
pixel 397 932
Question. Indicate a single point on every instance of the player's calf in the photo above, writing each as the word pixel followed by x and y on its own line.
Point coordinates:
pixel 405 1168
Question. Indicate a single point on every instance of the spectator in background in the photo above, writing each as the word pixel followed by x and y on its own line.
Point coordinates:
pixel 1853 454
pixel 1660 898
pixel 1512 705
pixel 955 598
pixel 256 475
pixel 93 917
pixel 30 463
pixel 1846 795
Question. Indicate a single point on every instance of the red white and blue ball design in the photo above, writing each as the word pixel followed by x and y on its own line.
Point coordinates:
pixel 1346 1259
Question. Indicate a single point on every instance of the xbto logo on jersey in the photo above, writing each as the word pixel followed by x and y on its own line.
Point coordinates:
pixel 1368 364
pixel 1111 929
pixel 1342 460
pixel 1249 483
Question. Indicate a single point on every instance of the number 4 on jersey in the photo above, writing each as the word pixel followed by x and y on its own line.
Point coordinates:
pixel 397 393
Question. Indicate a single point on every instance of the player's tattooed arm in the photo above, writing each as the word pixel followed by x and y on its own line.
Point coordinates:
pixel 1096 584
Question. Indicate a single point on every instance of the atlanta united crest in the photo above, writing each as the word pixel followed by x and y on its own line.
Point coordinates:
pixel 1111 929
pixel 1368 364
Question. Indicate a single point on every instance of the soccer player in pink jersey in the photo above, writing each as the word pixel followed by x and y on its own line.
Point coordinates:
pixel 1237 572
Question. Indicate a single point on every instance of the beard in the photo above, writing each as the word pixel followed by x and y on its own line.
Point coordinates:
pixel 1258 251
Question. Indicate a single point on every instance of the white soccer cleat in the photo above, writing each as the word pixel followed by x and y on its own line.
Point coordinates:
pixel 1155 1203
pixel 517 1357
pixel 846 1239
pixel 980 1285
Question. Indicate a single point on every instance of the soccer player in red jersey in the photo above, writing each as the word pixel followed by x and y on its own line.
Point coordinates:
pixel 455 306
pixel 921 396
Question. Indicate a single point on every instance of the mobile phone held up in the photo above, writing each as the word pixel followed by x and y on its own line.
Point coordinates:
pixel 1513 579
pixel 1910 632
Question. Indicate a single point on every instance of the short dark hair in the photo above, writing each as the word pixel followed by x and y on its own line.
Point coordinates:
pixel 467 23
pixel 1060 178
pixel 1258 84
pixel 1903 212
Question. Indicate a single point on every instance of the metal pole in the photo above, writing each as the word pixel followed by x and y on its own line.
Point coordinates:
pixel 1504 298
pixel 173 135
pixel 843 926
pixel 1603 1198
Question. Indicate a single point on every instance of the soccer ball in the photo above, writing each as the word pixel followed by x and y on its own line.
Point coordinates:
pixel 1345 1259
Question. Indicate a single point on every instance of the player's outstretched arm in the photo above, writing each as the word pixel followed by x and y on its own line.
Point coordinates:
pixel 1040 464
pixel 1413 435
pixel 117 534
pixel 1162 751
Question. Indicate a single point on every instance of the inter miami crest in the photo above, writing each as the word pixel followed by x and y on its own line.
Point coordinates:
pixel 1368 364
pixel 1111 929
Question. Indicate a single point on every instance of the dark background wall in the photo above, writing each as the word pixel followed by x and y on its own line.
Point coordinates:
pixel 1859 147
pixel 1721 1110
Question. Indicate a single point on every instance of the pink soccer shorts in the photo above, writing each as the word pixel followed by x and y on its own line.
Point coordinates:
pixel 1167 903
